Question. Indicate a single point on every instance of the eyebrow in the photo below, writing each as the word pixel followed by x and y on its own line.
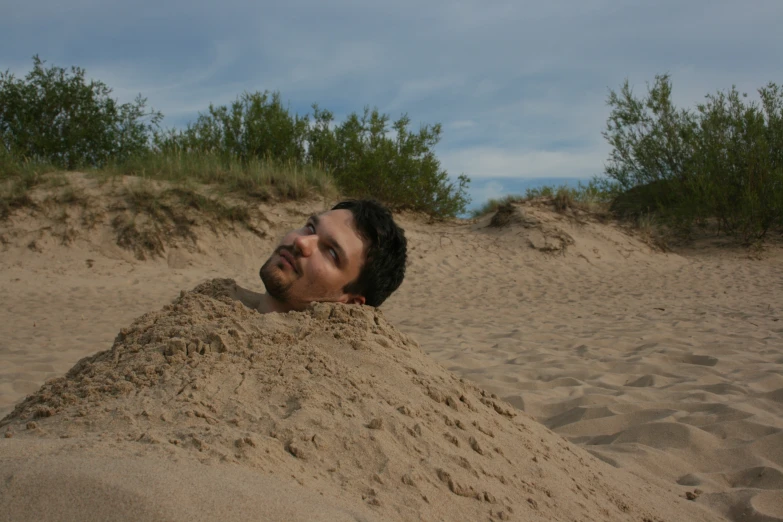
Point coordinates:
pixel 331 240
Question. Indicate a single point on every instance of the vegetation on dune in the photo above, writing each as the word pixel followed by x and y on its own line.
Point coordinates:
pixel 56 119
pixel 362 154
pixel 717 167
pixel 721 163
pixel 255 178
pixel 591 197
pixel 59 117
pixel 146 216
pixel 17 177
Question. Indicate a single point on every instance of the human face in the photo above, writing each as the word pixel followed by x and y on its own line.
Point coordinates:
pixel 315 262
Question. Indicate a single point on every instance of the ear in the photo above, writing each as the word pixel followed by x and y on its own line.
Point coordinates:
pixel 354 299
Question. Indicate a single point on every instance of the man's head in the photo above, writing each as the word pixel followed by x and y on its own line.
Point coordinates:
pixel 354 253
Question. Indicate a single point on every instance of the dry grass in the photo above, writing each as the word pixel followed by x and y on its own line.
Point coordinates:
pixel 152 215
pixel 227 179
pixel 257 178
pixel 145 240
pixel 146 215
pixel 651 231
pixel 563 200
pixel 494 204
pixel 18 177
pixel 505 215
pixel 587 198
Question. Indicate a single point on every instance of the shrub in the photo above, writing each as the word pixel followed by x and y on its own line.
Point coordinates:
pixel 723 161
pixel 256 125
pixel 402 171
pixel 737 165
pixel 359 153
pixel 58 117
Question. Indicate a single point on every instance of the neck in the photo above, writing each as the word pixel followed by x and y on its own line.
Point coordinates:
pixel 266 303
pixel 262 303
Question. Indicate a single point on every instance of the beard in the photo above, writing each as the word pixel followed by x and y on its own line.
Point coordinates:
pixel 273 279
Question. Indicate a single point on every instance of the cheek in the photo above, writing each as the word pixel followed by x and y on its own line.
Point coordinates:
pixel 319 271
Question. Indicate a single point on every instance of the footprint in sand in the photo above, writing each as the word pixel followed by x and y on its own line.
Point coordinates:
pixel 766 506
pixel 645 381
pixel 759 477
pixel 701 360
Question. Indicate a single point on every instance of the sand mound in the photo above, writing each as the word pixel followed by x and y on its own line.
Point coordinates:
pixel 540 234
pixel 206 408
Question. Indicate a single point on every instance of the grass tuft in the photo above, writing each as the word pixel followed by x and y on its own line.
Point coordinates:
pixel 141 240
pixel 563 200
pixel 17 178
pixel 589 198
pixel 256 178
pixel 493 205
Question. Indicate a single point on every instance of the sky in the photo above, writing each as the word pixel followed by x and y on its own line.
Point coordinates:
pixel 519 87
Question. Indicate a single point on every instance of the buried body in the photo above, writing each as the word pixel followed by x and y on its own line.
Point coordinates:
pixel 354 254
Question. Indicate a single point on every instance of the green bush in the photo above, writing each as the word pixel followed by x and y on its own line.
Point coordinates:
pixel 737 164
pixel 722 161
pixel 401 170
pixel 56 116
pixel 256 125
pixel 359 153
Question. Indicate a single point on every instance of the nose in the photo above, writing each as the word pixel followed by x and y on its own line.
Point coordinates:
pixel 305 244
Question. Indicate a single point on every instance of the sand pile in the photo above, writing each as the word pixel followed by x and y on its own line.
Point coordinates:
pixel 206 408
pixel 540 234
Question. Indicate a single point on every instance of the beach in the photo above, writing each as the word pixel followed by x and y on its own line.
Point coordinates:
pixel 653 377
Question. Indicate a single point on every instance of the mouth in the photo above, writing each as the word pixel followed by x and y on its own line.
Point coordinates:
pixel 286 256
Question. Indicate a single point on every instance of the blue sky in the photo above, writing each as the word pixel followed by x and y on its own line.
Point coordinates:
pixel 519 87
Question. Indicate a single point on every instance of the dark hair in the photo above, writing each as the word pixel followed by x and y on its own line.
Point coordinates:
pixel 384 263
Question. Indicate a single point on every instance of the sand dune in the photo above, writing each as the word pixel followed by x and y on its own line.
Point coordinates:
pixel 335 398
pixel 666 365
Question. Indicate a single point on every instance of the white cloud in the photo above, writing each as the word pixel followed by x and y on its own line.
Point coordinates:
pixel 494 162
pixel 416 90
pixel 321 65
pixel 483 192
pixel 461 124
pixel 180 91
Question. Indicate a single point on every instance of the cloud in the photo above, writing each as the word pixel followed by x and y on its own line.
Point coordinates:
pixel 485 191
pixel 461 124
pixel 183 92
pixel 520 87
pixel 493 162
pixel 420 89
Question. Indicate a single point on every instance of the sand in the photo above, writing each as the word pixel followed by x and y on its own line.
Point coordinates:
pixel 601 374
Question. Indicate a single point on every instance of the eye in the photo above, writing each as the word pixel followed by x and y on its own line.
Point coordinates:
pixel 310 227
pixel 333 253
